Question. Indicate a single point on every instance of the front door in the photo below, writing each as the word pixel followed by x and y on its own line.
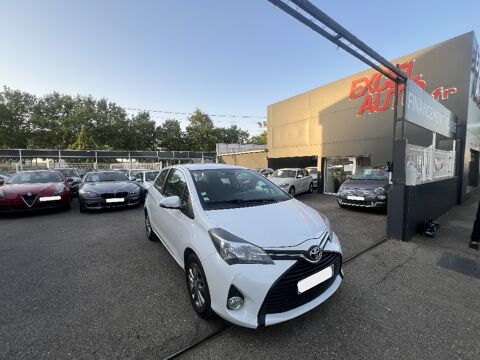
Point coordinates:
pixel 177 225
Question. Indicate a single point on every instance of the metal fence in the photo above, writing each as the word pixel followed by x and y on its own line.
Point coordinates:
pixel 429 164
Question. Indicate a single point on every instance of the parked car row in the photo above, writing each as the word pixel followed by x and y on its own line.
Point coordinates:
pixel 47 189
pixel 368 187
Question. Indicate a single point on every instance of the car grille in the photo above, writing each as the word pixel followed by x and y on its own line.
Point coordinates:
pixel 29 199
pixel 114 195
pixel 283 296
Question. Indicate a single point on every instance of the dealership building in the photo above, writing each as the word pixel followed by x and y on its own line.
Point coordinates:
pixel 348 124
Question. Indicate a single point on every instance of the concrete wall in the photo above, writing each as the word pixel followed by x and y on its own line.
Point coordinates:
pixel 328 121
pixel 252 160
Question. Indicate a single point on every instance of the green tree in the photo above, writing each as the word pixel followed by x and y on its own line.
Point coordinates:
pixel 141 132
pixel 200 132
pixel 259 139
pixel 16 108
pixel 231 135
pixel 170 137
pixel 83 142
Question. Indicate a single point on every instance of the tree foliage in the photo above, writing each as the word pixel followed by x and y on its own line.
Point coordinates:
pixel 58 121
pixel 83 142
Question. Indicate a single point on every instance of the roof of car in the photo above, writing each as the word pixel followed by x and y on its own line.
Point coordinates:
pixel 210 166
pixel 291 169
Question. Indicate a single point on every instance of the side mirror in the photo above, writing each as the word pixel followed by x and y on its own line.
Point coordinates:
pixel 299 176
pixel 138 180
pixel 69 179
pixel 171 202
pixel 132 178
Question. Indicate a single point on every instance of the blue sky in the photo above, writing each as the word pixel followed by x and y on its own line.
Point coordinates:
pixel 223 56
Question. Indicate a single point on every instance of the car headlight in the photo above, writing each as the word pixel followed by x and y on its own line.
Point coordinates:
pixel 379 191
pixel 88 194
pixel 235 250
pixel 59 190
pixel 328 225
pixel 135 191
pixel 2 195
pixel 283 186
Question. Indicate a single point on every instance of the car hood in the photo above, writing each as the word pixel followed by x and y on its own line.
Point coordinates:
pixel 363 184
pixel 283 224
pixel 109 186
pixel 20 189
pixel 281 181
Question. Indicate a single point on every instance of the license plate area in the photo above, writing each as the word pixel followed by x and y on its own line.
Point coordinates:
pixel 115 200
pixel 315 279
pixel 358 198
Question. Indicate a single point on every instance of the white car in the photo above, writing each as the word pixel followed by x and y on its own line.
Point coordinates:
pixel 293 181
pixel 145 178
pixel 251 253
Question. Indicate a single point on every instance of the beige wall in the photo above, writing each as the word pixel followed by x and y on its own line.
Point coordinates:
pixel 253 160
pixel 324 122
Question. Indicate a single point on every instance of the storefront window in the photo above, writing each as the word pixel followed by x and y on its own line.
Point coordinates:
pixel 339 169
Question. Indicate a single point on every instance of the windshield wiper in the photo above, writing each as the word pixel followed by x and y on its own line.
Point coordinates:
pixel 241 201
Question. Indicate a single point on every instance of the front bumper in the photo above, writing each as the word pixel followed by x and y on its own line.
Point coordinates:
pixel 369 201
pixel 101 203
pixel 17 205
pixel 255 282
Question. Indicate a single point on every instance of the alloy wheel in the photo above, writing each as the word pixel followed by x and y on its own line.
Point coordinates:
pixel 196 286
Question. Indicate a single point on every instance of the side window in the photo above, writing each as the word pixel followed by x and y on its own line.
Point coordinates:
pixel 175 184
pixel 160 180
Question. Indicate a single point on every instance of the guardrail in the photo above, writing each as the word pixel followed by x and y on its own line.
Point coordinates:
pixel 99 154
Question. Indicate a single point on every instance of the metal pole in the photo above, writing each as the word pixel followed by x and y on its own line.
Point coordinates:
pixel 96 160
pixel 20 153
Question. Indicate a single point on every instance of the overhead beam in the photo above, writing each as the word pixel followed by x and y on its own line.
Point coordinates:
pixel 369 56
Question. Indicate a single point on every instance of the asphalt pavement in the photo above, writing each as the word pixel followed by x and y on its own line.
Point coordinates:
pixel 91 286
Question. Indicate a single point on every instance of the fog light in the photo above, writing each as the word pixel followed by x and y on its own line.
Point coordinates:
pixel 235 302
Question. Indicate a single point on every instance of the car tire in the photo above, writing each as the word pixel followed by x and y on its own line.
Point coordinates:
pixel 82 206
pixel 197 287
pixel 291 191
pixel 148 228
pixel 310 188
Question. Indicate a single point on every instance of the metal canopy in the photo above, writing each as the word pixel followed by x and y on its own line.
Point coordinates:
pixel 337 34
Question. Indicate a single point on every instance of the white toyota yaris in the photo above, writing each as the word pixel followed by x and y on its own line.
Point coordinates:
pixel 251 253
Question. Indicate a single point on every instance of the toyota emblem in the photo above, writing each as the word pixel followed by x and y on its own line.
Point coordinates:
pixel 315 253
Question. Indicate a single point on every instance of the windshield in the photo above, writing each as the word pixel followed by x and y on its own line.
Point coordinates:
pixel 151 175
pixel 227 188
pixel 38 177
pixel 371 174
pixel 284 173
pixel 106 176
pixel 68 172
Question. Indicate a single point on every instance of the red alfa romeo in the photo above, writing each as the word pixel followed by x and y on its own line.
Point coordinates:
pixel 34 190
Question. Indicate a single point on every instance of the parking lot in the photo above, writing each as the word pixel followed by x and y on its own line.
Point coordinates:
pixel 77 285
